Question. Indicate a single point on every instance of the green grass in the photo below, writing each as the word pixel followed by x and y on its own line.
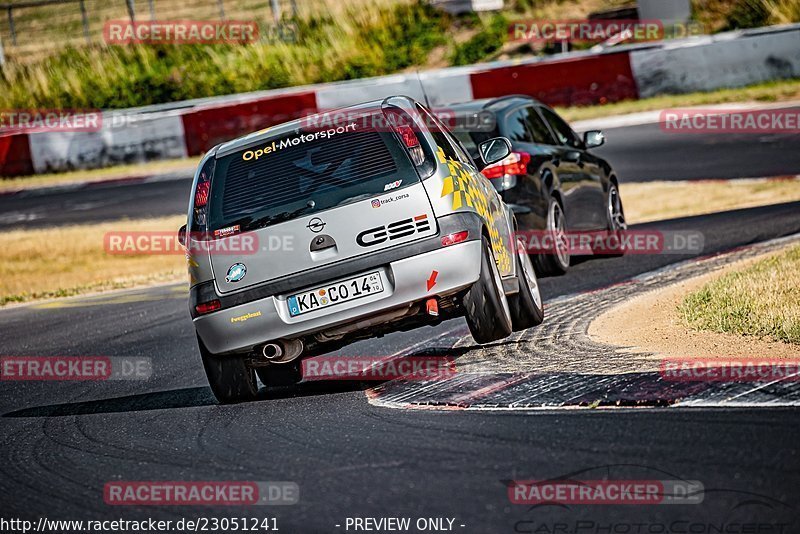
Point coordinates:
pixel 761 300
pixel 370 41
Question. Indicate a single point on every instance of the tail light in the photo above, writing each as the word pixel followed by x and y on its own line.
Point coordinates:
pixel 514 164
pixel 401 124
pixel 454 239
pixel 208 307
pixel 201 193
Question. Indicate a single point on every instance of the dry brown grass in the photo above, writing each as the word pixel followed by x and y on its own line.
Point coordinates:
pixel 71 260
pixel 653 201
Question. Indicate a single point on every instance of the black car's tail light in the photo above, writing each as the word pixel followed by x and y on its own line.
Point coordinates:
pixel 514 164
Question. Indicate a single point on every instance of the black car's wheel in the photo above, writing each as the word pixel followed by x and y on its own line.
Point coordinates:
pixel 487 311
pixel 280 375
pixel 526 306
pixel 230 378
pixel 554 262
pixel 616 216
pixel 614 210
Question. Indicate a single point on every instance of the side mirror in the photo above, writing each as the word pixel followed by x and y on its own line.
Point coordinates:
pixel 182 235
pixel 494 150
pixel 593 138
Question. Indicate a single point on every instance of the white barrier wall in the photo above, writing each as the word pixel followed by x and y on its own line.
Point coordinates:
pixel 440 87
pixel 713 63
pixel 122 139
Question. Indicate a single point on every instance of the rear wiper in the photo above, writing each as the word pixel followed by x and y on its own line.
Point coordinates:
pixel 280 217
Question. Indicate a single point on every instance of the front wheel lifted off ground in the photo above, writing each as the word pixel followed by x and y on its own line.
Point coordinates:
pixel 487 311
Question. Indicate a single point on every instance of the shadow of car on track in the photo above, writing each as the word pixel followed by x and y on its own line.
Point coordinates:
pixel 178 398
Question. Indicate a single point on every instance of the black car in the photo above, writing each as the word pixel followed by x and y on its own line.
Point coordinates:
pixel 551 180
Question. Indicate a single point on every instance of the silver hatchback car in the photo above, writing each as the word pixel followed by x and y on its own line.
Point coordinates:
pixel 341 226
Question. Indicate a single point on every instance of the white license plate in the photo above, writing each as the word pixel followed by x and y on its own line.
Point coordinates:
pixel 332 294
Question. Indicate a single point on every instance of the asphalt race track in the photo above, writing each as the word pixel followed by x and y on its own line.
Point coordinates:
pixel 61 442
pixel 639 154
pixel 645 153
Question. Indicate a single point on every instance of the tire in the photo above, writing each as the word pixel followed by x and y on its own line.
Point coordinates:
pixel 526 306
pixel 487 311
pixel 615 213
pixel 556 262
pixel 280 375
pixel 230 378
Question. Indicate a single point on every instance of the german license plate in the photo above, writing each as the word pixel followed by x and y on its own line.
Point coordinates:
pixel 336 293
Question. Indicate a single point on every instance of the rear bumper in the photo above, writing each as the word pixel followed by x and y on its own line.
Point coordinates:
pixel 241 327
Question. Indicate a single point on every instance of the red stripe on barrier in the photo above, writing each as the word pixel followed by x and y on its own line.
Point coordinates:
pixel 206 127
pixel 15 155
pixel 578 81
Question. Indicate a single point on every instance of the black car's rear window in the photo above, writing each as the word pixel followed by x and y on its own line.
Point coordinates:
pixel 305 172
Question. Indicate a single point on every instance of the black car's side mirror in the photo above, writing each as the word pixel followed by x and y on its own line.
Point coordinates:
pixel 494 150
pixel 182 235
pixel 593 138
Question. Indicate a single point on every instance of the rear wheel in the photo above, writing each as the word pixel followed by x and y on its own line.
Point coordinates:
pixel 554 262
pixel 526 306
pixel 487 311
pixel 230 378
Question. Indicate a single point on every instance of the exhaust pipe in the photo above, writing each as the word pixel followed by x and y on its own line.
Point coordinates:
pixel 282 351
pixel 272 351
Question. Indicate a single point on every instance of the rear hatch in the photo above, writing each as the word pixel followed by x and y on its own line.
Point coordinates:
pixel 312 198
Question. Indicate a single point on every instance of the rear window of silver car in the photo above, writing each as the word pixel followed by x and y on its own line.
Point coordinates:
pixel 306 172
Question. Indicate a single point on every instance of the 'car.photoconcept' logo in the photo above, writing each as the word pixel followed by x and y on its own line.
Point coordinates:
pixel 395 230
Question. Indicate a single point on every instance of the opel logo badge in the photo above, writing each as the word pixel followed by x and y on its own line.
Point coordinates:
pixel 316 225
